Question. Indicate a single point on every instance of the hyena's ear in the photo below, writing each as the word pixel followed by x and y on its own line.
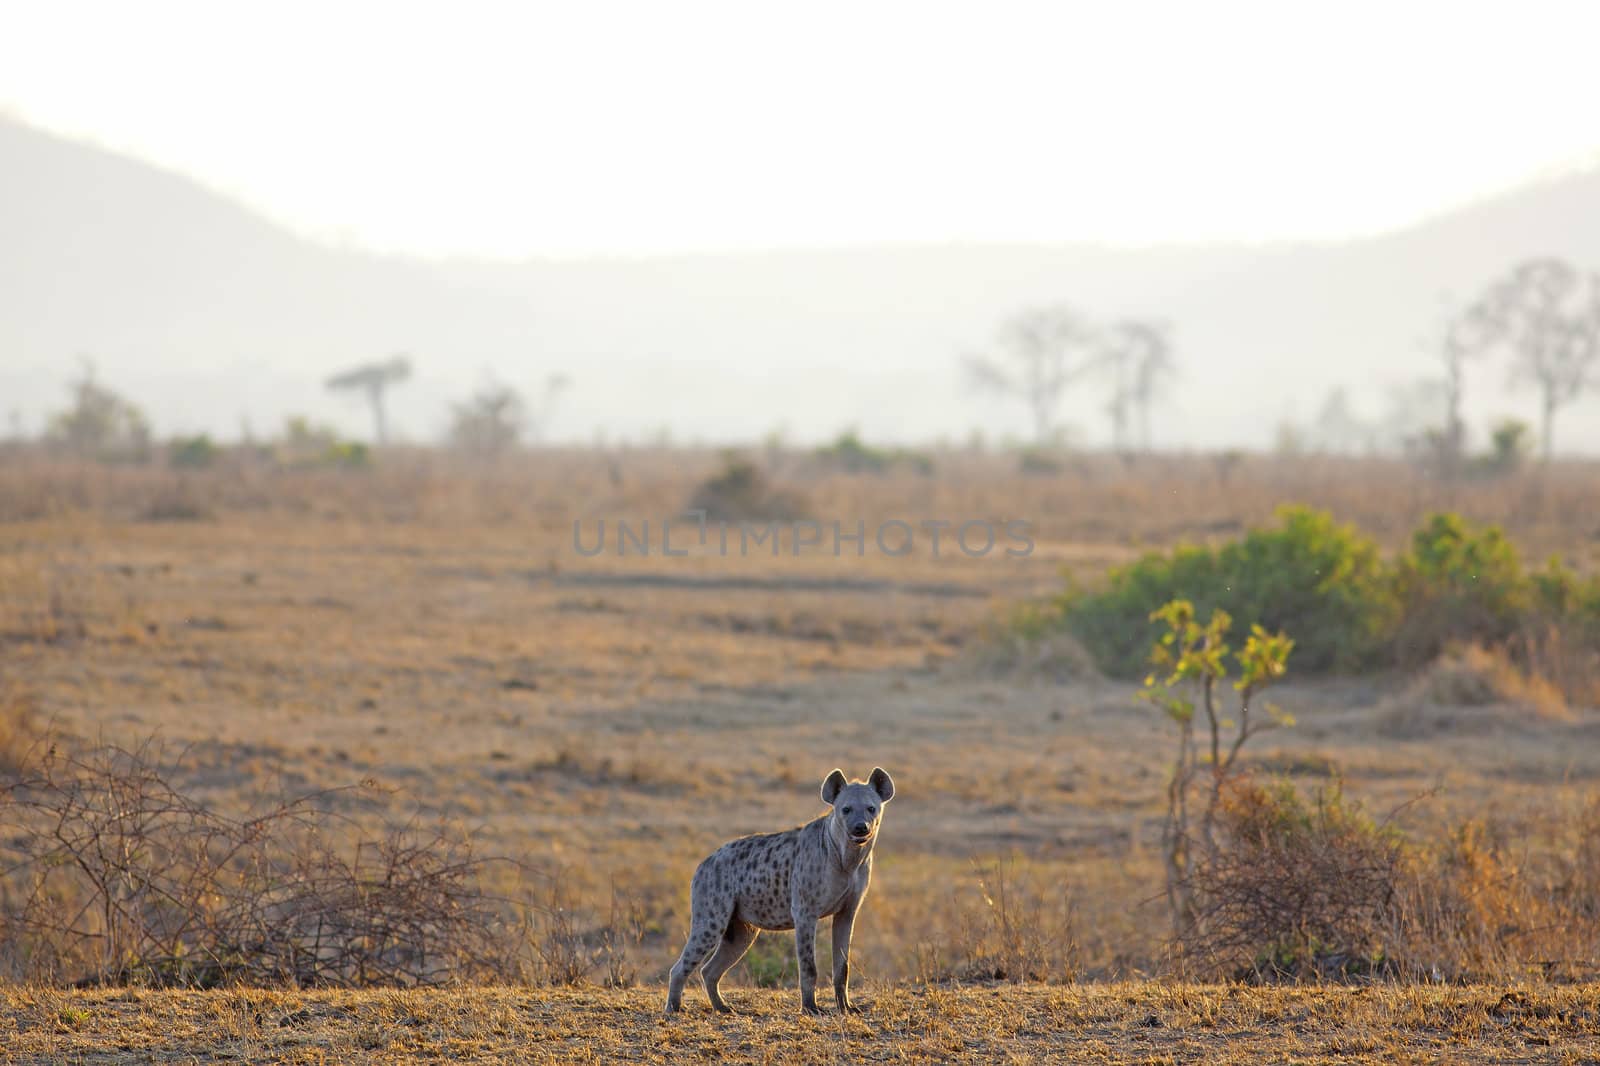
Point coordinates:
pixel 832 786
pixel 882 783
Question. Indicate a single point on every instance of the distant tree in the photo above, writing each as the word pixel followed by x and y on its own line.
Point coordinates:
pixel 1041 351
pixel 491 422
pixel 1467 336
pixel 1338 428
pixel 374 379
pixel 1409 420
pixel 1139 355
pixel 1548 314
pixel 1508 445
pixel 100 424
pixel 540 414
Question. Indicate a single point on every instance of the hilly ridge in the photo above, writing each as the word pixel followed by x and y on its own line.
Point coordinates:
pixel 206 313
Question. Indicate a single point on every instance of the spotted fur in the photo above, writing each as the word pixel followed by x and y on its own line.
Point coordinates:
pixel 787 880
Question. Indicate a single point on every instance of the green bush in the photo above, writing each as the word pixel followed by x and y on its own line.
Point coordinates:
pixel 1039 461
pixel 1510 442
pixel 192 453
pixel 1458 584
pixel 347 453
pixel 851 454
pixel 1324 581
pixel 1455 584
pixel 1561 595
pixel 741 492
pixel 305 445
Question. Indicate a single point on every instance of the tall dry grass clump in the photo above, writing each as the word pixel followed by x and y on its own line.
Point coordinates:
pixel 1313 888
pixel 1012 921
pixel 21 732
pixel 1486 685
pixel 1493 899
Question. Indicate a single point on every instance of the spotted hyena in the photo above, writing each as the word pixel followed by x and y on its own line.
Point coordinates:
pixel 786 880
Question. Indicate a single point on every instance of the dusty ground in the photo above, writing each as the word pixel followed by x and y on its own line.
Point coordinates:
pixel 1149 1023
pixel 617 718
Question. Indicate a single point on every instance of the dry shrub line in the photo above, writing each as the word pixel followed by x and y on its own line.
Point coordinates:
pixel 113 875
pixel 1314 889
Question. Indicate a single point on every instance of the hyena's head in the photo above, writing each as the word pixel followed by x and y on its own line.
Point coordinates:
pixel 857 805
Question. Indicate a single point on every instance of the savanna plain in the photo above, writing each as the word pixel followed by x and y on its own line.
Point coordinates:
pixel 419 645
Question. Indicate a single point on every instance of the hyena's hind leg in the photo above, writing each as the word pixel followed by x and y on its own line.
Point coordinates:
pixel 707 923
pixel 735 942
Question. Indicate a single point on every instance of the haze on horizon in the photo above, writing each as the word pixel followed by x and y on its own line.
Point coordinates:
pixel 853 197
pixel 517 131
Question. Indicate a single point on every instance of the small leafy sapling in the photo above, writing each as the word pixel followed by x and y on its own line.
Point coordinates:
pixel 1190 663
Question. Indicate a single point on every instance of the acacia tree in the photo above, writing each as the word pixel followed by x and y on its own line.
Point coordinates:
pixel 1548 314
pixel 1467 336
pixel 1139 352
pixel 1041 351
pixel 373 380
pixel 1338 428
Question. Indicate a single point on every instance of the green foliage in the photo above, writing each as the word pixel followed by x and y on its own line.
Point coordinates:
pixel 307 445
pixel 1458 583
pixel 741 492
pixel 851 454
pixel 1325 580
pixel 1562 598
pixel 1039 461
pixel 1510 442
pixel 1455 584
pixel 347 453
pixel 1194 655
pixel 192 453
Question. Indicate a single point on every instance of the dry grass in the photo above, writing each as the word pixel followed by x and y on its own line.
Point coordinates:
pixel 1098 502
pixel 1133 1023
pixel 1471 687
pixel 617 718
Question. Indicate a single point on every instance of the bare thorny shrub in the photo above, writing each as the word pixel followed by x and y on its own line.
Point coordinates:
pixel 1293 889
pixel 114 875
pixel 1315 889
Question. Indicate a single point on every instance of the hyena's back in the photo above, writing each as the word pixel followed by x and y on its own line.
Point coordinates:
pixel 752 878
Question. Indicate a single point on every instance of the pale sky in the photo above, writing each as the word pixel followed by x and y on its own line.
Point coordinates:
pixel 575 128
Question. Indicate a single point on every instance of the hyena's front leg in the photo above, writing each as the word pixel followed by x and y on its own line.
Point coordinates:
pixel 843 922
pixel 805 950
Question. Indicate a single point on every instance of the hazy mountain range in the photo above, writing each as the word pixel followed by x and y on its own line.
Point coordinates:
pixel 205 314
